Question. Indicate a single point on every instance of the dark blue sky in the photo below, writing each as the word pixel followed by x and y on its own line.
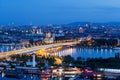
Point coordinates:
pixel 58 11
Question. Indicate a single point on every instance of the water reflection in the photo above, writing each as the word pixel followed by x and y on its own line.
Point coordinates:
pixel 68 51
pixel 6 48
pixel 87 52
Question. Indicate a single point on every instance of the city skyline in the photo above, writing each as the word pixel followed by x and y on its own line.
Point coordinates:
pixel 58 12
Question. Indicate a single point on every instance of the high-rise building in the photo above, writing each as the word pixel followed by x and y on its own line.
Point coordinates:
pixel 39 31
pixel 81 30
pixel 34 29
pixel 87 26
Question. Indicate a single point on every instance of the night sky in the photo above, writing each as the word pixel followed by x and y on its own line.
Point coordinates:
pixel 58 11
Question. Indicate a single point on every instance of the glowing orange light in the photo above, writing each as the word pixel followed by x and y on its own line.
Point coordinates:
pixel 58 60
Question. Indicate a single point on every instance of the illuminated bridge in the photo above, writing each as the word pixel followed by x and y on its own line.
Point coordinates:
pixel 36 48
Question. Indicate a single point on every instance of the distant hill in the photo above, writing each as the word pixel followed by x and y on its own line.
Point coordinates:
pixel 78 23
pixel 98 23
pixel 113 23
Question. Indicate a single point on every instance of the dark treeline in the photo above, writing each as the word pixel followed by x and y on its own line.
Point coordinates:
pixel 94 63
pixel 99 43
pixel 105 42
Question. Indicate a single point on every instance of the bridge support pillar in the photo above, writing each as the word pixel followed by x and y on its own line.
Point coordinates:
pixel 33 60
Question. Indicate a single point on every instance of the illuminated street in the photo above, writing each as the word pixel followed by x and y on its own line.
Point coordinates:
pixel 34 49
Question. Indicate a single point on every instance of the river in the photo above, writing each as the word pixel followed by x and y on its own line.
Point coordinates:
pixel 77 52
pixel 88 52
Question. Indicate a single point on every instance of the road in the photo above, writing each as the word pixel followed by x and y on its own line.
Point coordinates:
pixel 34 49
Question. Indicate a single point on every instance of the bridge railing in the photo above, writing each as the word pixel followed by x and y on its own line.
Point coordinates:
pixel 35 48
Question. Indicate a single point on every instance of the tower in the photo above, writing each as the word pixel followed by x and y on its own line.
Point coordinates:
pixel 80 30
pixel 48 35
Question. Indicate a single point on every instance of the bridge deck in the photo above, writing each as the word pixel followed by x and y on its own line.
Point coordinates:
pixel 33 49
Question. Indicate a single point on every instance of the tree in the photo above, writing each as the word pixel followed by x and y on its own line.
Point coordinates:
pixel 68 60
pixel 31 41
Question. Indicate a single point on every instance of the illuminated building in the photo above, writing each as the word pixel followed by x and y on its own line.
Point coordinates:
pixel 60 31
pixel 49 38
pixel 87 26
pixel 80 30
pixel 36 30
pixel 23 42
pixel 39 31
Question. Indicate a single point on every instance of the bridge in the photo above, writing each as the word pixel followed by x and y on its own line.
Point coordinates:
pixel 36 48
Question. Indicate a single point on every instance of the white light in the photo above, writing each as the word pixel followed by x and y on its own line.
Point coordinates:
pixel 110 70
pixel 99 75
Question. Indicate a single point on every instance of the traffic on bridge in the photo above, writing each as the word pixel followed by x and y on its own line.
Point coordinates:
pixel 36 48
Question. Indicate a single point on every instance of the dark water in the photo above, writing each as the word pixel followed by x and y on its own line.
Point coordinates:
pixel 9 48
pixel 88 52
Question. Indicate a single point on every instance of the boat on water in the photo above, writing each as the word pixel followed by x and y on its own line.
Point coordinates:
pixel 14 74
